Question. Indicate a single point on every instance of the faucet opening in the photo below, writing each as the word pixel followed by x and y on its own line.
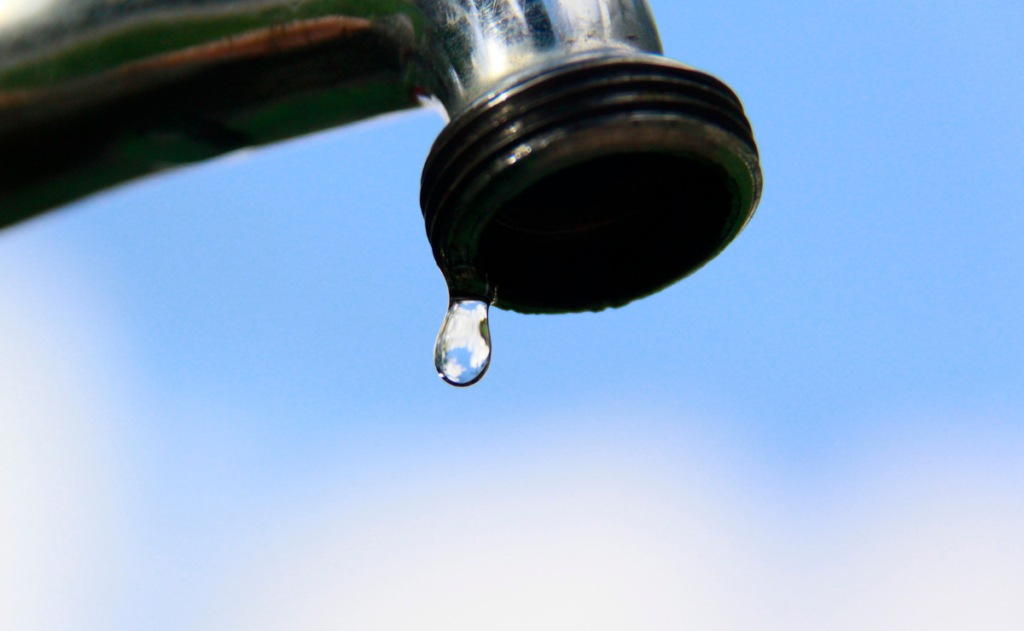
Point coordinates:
pixel 606 232
pixel 590 186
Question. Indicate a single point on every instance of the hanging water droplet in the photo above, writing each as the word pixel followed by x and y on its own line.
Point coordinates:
pixel 462 353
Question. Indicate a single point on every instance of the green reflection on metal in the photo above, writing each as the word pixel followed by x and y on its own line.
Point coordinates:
pixel 140 38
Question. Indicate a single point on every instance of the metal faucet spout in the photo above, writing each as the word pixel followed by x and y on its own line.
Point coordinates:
pixel 580 170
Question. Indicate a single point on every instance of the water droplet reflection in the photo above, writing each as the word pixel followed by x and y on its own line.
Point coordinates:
pixel 463 350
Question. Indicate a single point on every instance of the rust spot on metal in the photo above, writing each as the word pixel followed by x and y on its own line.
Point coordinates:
pixel 258 43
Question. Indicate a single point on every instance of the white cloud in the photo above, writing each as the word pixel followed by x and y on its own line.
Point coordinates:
pixel 550 550
pixel 58 560
pixel 623 543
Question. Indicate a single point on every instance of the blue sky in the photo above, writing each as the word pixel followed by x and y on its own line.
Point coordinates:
pixel 220 410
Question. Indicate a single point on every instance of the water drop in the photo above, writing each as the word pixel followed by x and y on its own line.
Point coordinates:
pixel 462 353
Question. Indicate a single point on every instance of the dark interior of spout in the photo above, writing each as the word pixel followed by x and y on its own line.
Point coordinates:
pixel 607 231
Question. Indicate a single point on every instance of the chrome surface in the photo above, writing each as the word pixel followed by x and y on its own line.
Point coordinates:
pixel 480 46
pixel 96 92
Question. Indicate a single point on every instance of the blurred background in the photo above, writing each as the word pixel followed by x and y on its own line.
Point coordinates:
pixel 218 409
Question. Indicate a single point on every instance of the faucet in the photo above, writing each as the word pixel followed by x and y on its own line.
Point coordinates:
pixel 580 169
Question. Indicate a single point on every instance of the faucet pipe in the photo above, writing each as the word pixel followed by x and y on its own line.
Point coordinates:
pixel 580 170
